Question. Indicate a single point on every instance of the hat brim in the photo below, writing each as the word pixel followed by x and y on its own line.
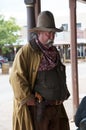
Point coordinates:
pixel 37 29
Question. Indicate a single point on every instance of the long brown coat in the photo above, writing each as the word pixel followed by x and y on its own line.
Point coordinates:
pixel 22 79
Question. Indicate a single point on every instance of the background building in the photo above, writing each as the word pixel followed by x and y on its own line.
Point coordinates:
pixel 62 40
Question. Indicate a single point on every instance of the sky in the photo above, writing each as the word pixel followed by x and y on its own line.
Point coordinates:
pixel 17 8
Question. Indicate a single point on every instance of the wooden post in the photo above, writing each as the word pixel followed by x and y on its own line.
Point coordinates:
pixel 30 5
pixel 72 5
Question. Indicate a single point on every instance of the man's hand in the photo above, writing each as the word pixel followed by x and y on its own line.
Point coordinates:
pixel 38 96
pixel 31 102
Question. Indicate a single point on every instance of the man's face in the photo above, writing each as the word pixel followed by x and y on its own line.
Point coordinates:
pixel 46 38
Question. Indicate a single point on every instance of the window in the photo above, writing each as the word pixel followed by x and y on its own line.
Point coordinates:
pixel 65 26
pixel 78 25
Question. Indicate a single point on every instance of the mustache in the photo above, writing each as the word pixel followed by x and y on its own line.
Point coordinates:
pixel 49 42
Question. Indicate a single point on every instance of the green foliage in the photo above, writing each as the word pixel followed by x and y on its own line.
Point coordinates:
pixel 8 33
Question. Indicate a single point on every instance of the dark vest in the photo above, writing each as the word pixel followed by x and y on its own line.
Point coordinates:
pixel 49 85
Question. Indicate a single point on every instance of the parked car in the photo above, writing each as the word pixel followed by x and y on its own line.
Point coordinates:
pixel 3 60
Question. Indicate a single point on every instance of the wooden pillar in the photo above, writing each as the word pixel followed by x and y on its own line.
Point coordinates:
pixel 30 5
pixel 37 9
pixel 73 45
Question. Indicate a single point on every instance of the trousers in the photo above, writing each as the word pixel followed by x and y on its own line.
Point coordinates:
pixel 54 118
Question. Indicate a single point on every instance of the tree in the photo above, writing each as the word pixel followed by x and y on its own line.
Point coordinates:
pixel 8 33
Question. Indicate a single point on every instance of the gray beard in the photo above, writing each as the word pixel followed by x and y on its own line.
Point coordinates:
pixel 49 43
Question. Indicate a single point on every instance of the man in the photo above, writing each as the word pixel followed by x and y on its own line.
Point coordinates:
pixel 39 82
pixel 80 116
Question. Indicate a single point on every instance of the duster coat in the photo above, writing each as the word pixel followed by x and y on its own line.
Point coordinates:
pixel 22 80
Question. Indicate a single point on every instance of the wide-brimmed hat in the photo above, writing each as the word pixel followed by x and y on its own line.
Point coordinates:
pixel 45 22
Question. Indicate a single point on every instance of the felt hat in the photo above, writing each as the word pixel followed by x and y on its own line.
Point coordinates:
pixel 45 22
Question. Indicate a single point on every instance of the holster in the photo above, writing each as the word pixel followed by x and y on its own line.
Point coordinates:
pixel 40 110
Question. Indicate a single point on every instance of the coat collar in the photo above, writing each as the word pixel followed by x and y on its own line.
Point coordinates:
pixel 34 45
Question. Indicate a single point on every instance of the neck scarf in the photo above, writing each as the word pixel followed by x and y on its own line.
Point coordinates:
pixel 50 57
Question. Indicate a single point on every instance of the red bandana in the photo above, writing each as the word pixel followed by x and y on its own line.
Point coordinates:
pixel 50 57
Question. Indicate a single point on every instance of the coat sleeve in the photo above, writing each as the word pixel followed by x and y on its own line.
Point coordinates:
pixel 19 77
pixel 81 112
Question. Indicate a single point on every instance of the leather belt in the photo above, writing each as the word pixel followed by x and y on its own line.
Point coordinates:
pixel 46 102
pixel 53 102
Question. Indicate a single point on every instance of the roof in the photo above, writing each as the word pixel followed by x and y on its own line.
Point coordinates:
pixel 84 1
pixel 67 42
